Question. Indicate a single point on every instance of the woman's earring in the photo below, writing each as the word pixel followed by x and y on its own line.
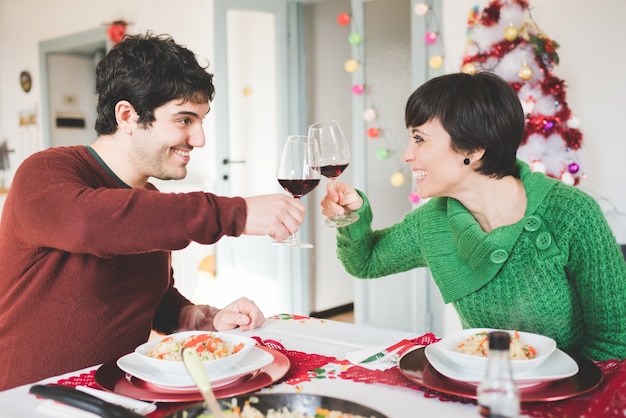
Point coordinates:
pixel 466 161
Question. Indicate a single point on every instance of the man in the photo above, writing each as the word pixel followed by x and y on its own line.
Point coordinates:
pixel 86 240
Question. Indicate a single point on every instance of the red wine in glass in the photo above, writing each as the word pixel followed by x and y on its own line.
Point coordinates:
pixel 298 173
pixel 299 188
pixel 334 159
pixel 333 171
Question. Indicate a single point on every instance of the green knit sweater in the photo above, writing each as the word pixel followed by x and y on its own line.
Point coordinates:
pixel 558 272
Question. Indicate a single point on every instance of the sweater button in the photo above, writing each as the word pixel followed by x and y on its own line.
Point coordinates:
pixel 532 223
pixel 544 240
pixel 498 256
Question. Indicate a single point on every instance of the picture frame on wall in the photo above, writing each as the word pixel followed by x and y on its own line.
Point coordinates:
pixel 26 81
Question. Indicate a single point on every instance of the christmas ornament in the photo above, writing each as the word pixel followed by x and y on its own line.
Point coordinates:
pixel 351 66
pixel 369 115
pixel 525 73
pixel 469 68
pixel 373 132
pixel 358 89
pixel 414 197
pixel 430 38
pixel 538 167
pixel 343 19
pixel 548 125
pixel 382 154
pixel 420 9
pixel 573 168
pixel 510 33
pixel 567 178
pixel 116 31
pixel 573 122
pixel 473 17
pixel 397 179
pixel 435 62
pixel 355 39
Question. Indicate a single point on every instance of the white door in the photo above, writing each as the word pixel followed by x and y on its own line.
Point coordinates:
pixel 253 117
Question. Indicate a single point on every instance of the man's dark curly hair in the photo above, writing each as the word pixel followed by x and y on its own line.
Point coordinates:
pixel 148 71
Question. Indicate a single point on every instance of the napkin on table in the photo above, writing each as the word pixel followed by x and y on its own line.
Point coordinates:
pixel 55 408
pixel 356 357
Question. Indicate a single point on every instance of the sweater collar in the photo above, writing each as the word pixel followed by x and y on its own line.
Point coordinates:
pixel 481 255
pixel 106 168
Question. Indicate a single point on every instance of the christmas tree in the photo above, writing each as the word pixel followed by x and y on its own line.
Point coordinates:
pixel 505 40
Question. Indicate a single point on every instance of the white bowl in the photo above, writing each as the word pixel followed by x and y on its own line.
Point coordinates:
pixel 212 366
pixel 448 347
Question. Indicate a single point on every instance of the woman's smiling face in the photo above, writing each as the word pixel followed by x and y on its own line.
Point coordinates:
pixel 438 169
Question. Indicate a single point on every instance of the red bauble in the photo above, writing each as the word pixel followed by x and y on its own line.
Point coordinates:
pixel 373 132
pixel 343 19
pixel 116 31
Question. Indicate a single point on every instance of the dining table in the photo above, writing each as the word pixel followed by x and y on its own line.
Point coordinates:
pixel 321 357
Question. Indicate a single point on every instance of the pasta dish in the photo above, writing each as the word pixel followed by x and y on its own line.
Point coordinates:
pixel 478 345
pixel 208 346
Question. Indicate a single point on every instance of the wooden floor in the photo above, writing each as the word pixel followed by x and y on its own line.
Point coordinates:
pixel 344 317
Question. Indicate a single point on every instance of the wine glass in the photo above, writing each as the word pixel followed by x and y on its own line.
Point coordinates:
pixel 334 159
pixel 298 173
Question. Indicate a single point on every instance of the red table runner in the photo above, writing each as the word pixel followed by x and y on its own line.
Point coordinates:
pixel 609 400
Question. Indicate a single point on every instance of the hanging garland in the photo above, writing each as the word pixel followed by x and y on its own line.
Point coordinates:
pixel 375 131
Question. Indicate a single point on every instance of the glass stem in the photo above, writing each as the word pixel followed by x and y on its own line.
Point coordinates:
pixel 292 239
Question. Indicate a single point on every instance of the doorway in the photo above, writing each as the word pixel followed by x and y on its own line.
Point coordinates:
pixel 68 81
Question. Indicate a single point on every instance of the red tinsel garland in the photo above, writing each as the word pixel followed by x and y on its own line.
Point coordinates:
pixel 491 14
pixel 498 51
pixel 554 86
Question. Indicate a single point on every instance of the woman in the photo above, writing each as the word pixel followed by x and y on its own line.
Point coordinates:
pixel 508 248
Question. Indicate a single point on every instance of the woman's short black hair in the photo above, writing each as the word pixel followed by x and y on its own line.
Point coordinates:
pixel 148 71
pixel 480 111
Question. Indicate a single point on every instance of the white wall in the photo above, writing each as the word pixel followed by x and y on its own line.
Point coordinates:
pixel 592 66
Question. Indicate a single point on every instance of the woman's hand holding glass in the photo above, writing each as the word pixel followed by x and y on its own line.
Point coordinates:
pixel 340 198
pixel 334 159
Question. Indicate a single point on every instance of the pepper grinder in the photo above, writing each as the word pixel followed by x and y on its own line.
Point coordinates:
pixel 498 395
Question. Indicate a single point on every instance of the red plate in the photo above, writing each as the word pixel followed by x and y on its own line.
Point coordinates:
pixel 416 367
pixel 112 378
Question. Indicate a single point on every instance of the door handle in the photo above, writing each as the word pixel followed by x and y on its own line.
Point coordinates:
pixel 227 161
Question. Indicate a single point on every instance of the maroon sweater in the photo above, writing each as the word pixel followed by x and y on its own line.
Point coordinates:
pixel 85 262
